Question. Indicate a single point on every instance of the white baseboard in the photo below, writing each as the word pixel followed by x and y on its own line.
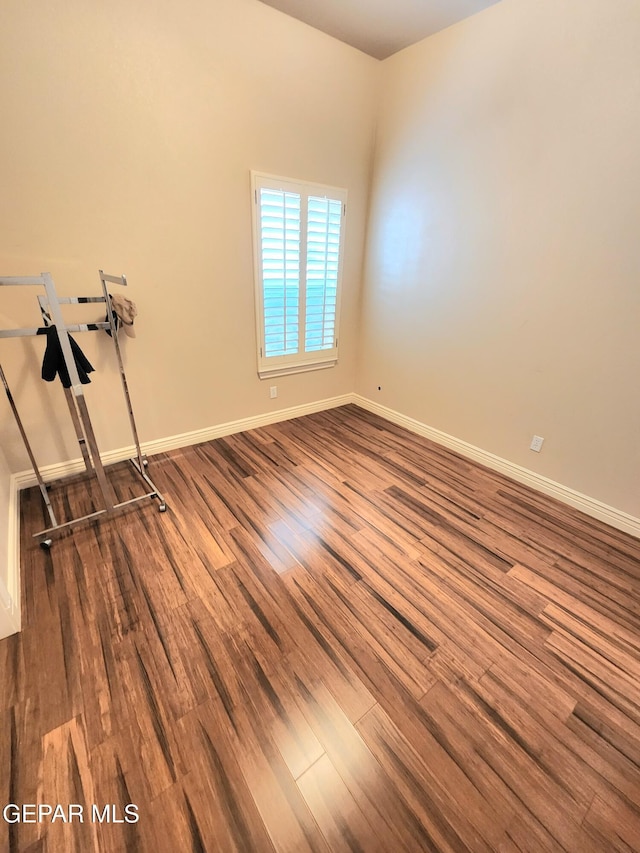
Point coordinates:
pixel 13 584
pixel 10 599
pixel 590 506
pixel 25 479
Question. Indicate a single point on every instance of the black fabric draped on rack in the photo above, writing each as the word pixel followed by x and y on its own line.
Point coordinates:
pixel 54 364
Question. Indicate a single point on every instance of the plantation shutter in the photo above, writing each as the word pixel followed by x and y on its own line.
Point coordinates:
pixel 280 235
pixel 324 217
pixel 298 243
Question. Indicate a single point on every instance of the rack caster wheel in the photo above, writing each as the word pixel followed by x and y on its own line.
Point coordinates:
pixel 145 463
pixel 46 544
pixel 162 508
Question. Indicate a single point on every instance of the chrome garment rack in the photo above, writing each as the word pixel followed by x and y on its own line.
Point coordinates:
pixel 51 312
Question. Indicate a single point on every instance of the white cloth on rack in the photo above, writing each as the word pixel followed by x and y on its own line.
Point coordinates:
pixel 126 312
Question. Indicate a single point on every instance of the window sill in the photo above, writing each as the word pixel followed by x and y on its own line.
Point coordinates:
pixel 301 367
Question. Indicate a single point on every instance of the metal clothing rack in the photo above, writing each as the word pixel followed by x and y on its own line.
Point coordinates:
pixel 51 312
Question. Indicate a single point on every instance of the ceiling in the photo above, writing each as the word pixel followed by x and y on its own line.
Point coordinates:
pixel 380 27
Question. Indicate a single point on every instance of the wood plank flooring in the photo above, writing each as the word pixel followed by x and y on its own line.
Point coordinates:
pixel 340 637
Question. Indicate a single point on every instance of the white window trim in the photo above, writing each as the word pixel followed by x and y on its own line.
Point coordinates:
pixel 300 362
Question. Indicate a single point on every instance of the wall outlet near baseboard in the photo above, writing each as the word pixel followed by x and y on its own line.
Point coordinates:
pixel 273 392
pixel 536 443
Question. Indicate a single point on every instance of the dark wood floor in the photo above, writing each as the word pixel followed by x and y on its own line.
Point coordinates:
pixel 340 637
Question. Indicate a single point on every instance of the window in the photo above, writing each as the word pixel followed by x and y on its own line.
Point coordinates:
pixel 298 248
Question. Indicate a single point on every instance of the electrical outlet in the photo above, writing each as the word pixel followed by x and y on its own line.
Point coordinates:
pixel 536 443
pixel 273 392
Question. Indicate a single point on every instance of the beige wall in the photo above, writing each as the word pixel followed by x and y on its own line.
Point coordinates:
pixel 129 131
pixel 502 293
